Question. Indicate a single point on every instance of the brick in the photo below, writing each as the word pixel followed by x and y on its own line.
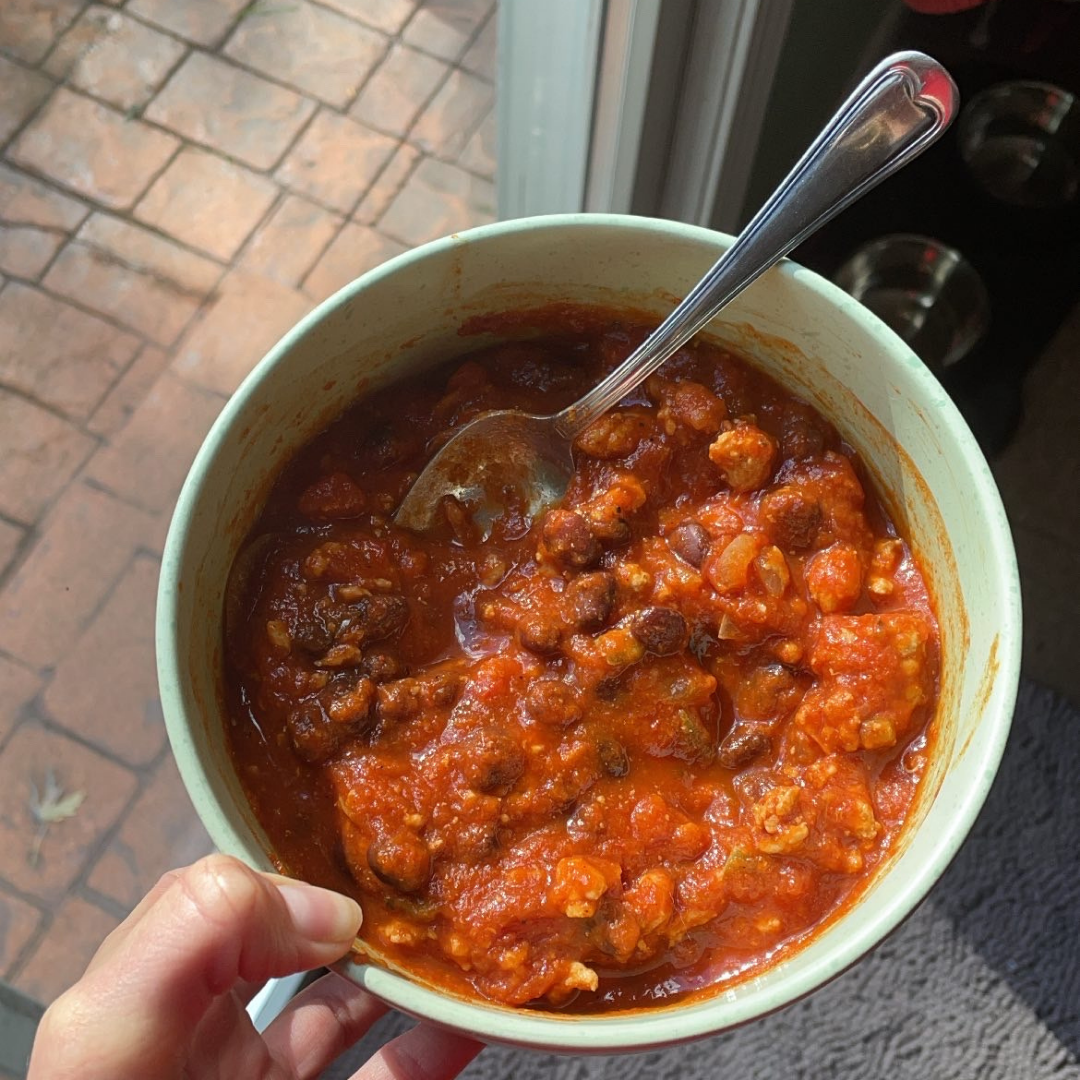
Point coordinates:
pixel 19 921
pixel 248 315
pixel 62 954
pixel 85 542
pixel 161 832
pixel 93 150
pixel 58 354
pixel 142 249
pixel 389 16
pixel 355 250
pixel 389 182
pixel 437 200
pixel 11 536
pixel 393 97
pixel 156 308
pixel 105 688
pixel 124 398
pixel 26 250
pixel 114 57
pixel 18 685
pixel 204 22
pixel 336 56
pixel 47 868
pixel 453 115
pixel 207 202
pixel 146 462
pixel 39 454
pixel 445 27
pixel 480 57
pixel 335 160
pixel 479 153
pixel 215 103
pixel 287 244
pixel 27 201
pixel 21 92
pixel 28 28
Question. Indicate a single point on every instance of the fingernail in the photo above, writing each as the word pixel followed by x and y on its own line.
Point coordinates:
pixel 321 915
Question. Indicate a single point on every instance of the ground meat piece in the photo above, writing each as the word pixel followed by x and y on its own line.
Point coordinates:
pixel 690 542
pixel 800 432
pixel 442 689
pixel 742 745
pixel 872 675
pixel 792 517
pixel 744 454
pixel 401 861
pixel 494 760
pixel 689 404
pixel 316 737
pixel 662 630
pixel 374 618
pixel 613 759
pixel 589 599
pixel 539 635
pixel 569 540
pixel 382 667
pixel 614 435
pixel 551 702
pixel 834 578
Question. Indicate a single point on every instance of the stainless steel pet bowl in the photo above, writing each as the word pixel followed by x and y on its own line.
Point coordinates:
pixel 925 291
pixel 1021 143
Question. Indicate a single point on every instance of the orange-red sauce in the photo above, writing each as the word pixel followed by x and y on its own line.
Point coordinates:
pixel 609 758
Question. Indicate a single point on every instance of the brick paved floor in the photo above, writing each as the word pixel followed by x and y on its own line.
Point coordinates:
pixel 180 181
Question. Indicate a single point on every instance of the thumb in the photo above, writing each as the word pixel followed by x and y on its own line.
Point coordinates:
pixel 199 932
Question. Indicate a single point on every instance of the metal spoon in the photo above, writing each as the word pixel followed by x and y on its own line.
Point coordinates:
pixel 507 457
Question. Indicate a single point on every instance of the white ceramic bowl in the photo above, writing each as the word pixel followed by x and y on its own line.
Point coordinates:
pixel 814 339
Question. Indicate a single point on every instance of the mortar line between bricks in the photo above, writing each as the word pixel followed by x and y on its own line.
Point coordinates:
pixel 75 887
pixel 86 309
pixel 34 113
pixel 376 222
pixel 107 904
pixel 60 34
pixel 57 189
pixel 53 726
pixel 349 217
pixel 138 223
pixel 46 671
pixel 103 489
pixel 211 47
pixel 24 395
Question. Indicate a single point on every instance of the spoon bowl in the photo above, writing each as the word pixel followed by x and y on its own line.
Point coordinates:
pixel 508 459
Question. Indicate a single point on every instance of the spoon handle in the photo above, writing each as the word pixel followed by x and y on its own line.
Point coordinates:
pixel 895 113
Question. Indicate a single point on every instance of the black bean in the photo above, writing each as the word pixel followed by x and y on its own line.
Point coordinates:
pixel 382 667
pixel 613 759
pixel 742 745
pixel 494 760
pixel 690 542
pixel 662 630
pixel 589 599
pixel 569 539
pixel 374 618
pixel 549 701
pixel 792 517
pixel 539 635
pixel 401 861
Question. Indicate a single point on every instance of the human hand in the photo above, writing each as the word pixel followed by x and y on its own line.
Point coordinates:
pixel 165 995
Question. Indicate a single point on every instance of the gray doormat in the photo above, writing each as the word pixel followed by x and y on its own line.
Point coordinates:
pixel 982 982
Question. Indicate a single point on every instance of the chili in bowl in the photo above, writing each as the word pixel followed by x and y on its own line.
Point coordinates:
pixel 656 763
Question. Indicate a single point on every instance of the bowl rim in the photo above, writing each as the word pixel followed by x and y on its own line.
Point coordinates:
pixel 661 1026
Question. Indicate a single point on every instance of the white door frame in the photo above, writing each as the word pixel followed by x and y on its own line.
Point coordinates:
pixel 576 82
